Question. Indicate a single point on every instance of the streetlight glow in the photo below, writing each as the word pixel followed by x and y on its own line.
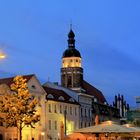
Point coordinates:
pixel 2 55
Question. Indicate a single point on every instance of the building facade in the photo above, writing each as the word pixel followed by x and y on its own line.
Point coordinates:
pixel 28 133
pixel 62 113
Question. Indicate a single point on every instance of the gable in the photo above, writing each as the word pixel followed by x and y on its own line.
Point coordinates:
pixel 35 86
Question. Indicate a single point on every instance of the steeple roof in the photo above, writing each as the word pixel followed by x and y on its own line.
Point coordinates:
pixel 71 51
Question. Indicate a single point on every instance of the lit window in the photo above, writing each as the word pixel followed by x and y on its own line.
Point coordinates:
pixel 50 125
pixel 95 99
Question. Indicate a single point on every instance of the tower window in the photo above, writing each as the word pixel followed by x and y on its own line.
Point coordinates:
pixel 69 81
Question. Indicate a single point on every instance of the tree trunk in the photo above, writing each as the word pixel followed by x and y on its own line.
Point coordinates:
pixel 20 132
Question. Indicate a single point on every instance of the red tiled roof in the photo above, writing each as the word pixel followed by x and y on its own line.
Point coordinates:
pixel 91 90
pixel 56 93
pixel 9 81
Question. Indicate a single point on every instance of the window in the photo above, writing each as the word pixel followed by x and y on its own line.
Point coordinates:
pixel 50 96
pixel 55 125
pixel 61 98
pixel 55 109
pixel 70 110
pixel 89 124
pixel 76 60
pixel 85 112
pixel 60 108
pixel 50 109
pixel 75 111
pixel 81 124
pixel 71 100
pixel 65 109
pixel 50 125
pixel 33 86
pixel 69 81
pixel 89 112
pixel 81 112
pixel 75 126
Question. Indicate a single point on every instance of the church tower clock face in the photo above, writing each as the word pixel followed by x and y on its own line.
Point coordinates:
pixel 71 71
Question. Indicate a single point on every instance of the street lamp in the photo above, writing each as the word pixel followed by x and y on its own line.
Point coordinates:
pixel 2 55
pixel 42 135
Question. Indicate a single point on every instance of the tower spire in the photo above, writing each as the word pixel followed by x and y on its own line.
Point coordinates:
pixel 71 40
pixel 71 26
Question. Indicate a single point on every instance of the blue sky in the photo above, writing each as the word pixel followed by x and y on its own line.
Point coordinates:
pixel 33 34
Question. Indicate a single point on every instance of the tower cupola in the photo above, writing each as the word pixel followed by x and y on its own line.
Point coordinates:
pixel 71 56
pixel 71 71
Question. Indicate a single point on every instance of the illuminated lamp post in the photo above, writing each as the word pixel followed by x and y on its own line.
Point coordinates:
pixel 42 135
pixel 2 56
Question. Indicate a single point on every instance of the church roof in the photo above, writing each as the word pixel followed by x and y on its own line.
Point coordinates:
pixel 9 81
pixel 89 89
pixel 57 94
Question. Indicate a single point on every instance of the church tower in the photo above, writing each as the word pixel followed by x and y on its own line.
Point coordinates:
pixel 71 71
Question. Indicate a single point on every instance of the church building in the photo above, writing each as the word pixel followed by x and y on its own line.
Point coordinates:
pixel 92 101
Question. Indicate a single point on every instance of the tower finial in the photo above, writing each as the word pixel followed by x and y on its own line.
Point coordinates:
pixel 71 25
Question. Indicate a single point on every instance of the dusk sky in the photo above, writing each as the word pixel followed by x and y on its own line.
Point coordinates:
pixel 33 34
